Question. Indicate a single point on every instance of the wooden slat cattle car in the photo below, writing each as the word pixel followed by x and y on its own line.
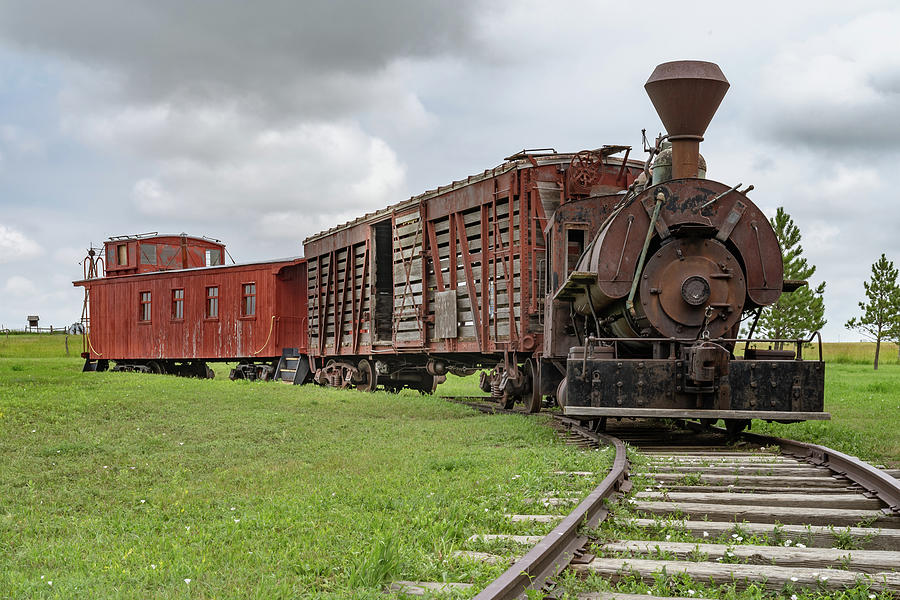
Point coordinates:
pixel 451 280
pixel 178 320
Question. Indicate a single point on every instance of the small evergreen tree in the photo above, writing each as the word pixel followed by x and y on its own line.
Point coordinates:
pixel 881 314
pixel 801 312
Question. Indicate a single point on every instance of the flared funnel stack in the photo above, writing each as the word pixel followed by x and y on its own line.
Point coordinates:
pixel 686 94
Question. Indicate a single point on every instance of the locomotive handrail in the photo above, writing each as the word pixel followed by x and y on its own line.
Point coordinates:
pixel 552 554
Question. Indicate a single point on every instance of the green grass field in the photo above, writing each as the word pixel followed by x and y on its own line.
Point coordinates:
pixel 120 485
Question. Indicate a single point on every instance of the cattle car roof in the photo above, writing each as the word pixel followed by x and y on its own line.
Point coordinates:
pixel 523 160
pixel 294 260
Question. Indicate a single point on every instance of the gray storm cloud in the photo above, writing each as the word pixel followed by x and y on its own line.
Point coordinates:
pixel 315 57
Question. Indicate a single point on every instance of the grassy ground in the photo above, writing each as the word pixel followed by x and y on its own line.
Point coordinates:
pixel 128 485
pixel 120 485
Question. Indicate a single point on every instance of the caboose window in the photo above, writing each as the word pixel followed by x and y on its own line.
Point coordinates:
pixel 178 304
pixel 213 258
pixel 248 301
pixel 122 254
pixel 144 312
pixel 212 303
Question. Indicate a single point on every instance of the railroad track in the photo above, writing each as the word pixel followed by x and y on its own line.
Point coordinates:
pixel 774 514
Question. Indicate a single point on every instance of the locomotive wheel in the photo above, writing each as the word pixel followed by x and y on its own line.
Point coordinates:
pixel 561 394
pixel 734 427
pixel 370 378
pixel 533 396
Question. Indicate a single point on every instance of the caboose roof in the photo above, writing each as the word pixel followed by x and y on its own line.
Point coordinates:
pixel 291 261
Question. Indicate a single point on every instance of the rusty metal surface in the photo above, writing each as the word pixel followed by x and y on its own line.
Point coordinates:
pixel 552 554
pixel 613 256
pixel 685 277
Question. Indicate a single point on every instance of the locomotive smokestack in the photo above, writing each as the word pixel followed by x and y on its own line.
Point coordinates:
pixel 686 94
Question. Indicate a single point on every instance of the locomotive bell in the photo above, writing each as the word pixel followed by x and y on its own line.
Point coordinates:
pixel 686 94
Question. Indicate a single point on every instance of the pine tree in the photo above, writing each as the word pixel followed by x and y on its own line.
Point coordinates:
pixel 881 314
pixel 799 313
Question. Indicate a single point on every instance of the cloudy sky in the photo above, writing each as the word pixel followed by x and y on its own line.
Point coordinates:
pixel 259 123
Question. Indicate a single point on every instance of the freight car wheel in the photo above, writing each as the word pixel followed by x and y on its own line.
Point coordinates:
pixel 367 375
pixel 533 396
pixel 155 367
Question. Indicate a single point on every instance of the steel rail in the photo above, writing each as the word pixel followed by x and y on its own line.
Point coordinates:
pixel 553 554
pixel 875 481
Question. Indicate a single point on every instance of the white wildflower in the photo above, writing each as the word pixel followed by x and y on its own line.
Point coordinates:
pixel 237 520
pixel 152 566
pixel 705 534
pixel 142 501
pixel 793 579
pixel 691 592
pixel 793 596
pixel 787 543
pixel 187 579
pixel 232 508
pixel 50 582
pixel 668 537
pixel 799 545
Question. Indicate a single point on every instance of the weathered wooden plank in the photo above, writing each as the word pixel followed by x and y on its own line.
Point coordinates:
pixel 794 480
pixel 620 596
pixel 482 557
pixel 771 577
pixel 534 518
pixel 846 500
pixel 866 561
pixel 518 539
pixel 754 489
pixel 422 588
pixel 746 470
pixel 770 514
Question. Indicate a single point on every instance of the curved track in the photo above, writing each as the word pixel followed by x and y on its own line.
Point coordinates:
pixel 780 514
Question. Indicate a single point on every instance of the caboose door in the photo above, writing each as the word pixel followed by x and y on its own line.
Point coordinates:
pixel 408 268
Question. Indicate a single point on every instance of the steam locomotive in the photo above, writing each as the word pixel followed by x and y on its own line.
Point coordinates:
pixel 610 286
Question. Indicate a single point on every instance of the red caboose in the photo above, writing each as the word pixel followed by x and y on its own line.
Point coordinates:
pixel 169 305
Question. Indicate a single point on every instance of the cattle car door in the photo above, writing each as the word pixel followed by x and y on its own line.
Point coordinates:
pixel 409 258
pixel 382 299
